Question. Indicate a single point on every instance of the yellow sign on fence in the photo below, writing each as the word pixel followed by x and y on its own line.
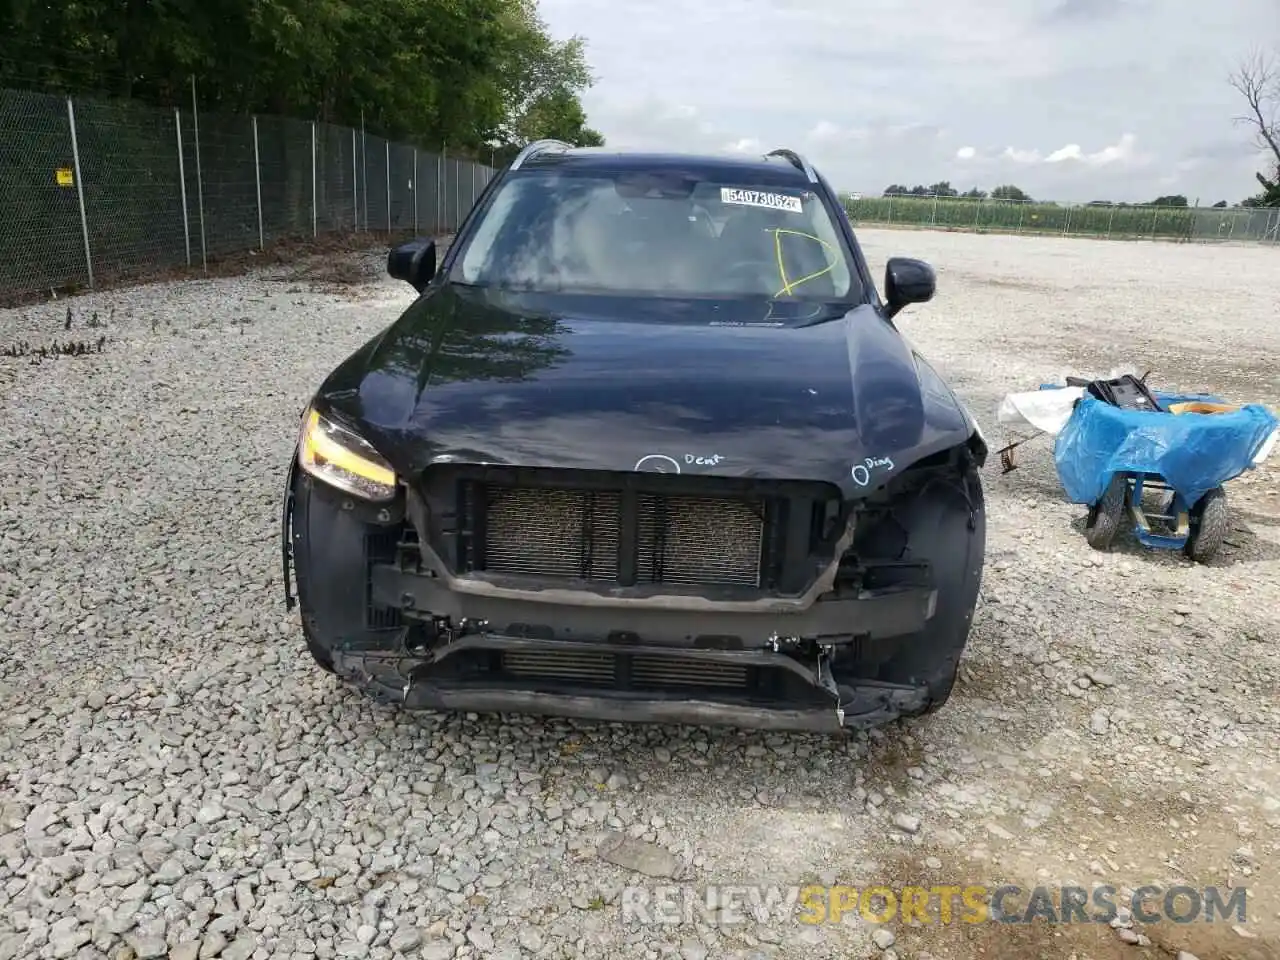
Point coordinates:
pixel 65 178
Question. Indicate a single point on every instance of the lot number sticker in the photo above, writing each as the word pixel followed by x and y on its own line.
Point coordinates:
pixel 757 198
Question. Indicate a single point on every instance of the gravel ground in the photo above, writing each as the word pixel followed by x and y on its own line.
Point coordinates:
pixel 177 779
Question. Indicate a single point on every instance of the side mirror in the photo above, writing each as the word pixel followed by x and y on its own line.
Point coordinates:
pixel 907 281
pixel 413 262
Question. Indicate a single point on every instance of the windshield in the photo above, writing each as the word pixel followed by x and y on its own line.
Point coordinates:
pixel 665 234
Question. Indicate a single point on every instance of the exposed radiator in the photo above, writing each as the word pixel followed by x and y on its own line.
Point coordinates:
pixel 577 534
pixel 554 533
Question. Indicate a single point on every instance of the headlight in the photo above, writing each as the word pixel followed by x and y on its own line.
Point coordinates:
pixel 344 460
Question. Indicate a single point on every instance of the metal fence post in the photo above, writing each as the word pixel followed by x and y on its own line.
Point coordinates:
pixel 1110 217
pixel 414 187
pixel 195 120
pixel 84 220
pixel 457 195
pixel 182 184
pixel 387 143
pixel 355 183
pixel 364 169
pixel 441 207
pixel 257 182
pixel 315 213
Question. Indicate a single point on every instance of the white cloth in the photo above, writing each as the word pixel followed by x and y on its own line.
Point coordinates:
pixel 1047 410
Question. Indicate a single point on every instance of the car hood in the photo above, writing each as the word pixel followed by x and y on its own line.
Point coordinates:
pixel 732 388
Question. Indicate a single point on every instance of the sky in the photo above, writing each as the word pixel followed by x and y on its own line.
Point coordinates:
pixel 1071 100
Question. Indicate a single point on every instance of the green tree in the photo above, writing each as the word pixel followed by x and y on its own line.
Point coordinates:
pixel 542 82
pixel 1008 191
pixel 466 73
pixel 1173 200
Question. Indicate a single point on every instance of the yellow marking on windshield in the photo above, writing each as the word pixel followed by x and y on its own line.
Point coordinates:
pixel 787 285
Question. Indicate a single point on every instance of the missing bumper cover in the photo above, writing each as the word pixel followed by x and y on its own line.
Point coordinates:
pixel 627 681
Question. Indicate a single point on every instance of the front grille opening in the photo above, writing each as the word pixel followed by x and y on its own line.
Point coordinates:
pixel 733 537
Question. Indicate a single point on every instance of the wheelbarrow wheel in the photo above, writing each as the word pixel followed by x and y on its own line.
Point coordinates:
pixel 1106 515
pixel 1210 521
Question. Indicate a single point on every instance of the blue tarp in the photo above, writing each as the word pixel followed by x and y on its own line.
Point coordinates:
pixel 1193 452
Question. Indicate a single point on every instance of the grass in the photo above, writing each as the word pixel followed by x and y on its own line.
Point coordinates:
pixel 1010 216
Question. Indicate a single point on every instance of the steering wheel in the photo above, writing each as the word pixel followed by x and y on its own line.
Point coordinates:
pixel 750 269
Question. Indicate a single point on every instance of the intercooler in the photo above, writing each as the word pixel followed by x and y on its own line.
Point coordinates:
pixel 636 672
pixel 684 539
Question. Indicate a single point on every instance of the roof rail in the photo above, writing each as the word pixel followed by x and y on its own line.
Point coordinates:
pixel 538 146
pixel 797 161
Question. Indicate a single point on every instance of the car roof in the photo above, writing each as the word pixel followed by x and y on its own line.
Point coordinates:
pixel 776 169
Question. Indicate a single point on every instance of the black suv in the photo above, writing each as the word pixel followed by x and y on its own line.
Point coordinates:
pixel 648 446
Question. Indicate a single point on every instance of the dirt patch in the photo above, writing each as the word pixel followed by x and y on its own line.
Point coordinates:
pixel 1095 937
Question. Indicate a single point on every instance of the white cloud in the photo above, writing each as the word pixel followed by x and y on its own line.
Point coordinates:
pixel 1056 79
pixel 1021 156
pixel 1121 152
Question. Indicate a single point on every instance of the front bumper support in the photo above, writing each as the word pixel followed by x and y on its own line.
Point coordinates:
pixel 405 676
pixel 871 615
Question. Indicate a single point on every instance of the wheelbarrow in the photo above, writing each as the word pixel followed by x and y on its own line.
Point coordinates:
pixel 1155 460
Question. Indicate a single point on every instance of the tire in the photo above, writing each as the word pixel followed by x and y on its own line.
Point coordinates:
pixel 941 532
pixel 1104 520
pixel 1210 522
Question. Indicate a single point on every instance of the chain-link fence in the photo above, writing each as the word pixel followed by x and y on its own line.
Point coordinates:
pixel 1101 220
pixel 98 190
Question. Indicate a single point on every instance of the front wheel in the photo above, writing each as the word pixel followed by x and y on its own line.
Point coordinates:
pixel 1105 517
pixel 1210 521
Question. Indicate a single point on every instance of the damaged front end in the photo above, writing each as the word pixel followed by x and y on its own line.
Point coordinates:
pixel 644 598
pixel 789 686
